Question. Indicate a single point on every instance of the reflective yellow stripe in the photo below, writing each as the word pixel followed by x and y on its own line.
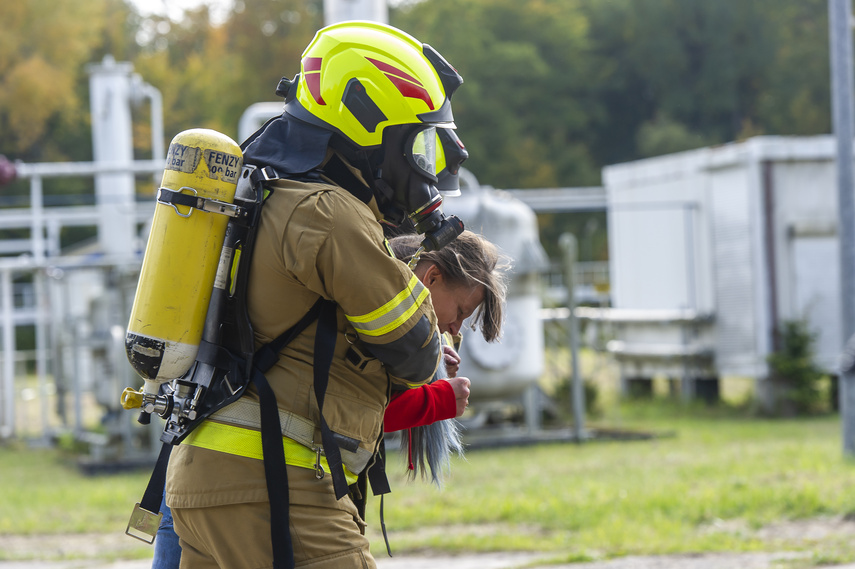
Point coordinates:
pixel 393 313
pixel 246 442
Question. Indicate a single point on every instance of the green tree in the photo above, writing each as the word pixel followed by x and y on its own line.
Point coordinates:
pixel 662 135
pixel 793 369
pixel 691 72
pixel 43 48
pixel 209 74
pixel 555 89
pixel 796 97
pixel 525 108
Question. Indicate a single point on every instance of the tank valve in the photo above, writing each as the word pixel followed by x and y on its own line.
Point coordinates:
pixel 147 402
pixel 131 398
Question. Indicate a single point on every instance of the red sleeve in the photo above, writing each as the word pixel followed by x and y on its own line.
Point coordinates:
pixel 421 406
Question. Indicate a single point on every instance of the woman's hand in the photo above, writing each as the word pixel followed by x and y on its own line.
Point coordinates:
pixel 451 360
pixel 460 386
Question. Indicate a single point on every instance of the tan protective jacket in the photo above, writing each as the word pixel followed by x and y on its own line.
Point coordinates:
pixel 319 240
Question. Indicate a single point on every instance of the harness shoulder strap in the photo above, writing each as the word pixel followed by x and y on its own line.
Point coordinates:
pixel 275 473
pixel 325 340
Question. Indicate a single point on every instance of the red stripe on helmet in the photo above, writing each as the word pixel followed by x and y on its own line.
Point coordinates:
pixel 408 85
pixel 386 68
pixel 312 73
pixel 412 91
pixel 312 63
pixel 313 82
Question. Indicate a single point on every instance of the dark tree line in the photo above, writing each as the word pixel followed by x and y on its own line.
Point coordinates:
pixel 554 89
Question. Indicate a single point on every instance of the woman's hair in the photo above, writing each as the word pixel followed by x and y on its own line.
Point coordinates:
pixel 469 260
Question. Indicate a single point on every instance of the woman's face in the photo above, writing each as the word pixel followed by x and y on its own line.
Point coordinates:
pixel 452 303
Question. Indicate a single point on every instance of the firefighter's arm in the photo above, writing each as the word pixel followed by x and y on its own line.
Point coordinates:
pixel 412 357
pixel 382 299
pixel 402 331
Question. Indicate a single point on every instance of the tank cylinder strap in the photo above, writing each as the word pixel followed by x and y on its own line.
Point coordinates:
pixel 247 443
pixel 166 196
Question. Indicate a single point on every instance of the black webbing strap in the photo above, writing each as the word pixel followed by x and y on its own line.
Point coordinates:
pixel 377 472
pixel 153 495
pixel 174 198
pixel 275 467
pixel 380 486
pixel 268 354
pixel 325 339
pixel 383 527
pixel 213 355
pixel 171 197
pixel 264 174
pixel 275 472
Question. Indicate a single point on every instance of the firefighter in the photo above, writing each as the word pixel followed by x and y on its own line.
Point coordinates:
pixel 354 148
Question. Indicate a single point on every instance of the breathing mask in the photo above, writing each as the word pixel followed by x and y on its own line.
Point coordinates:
pixel 407 183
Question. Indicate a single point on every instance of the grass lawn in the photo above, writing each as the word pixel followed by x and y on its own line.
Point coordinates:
pixel 709 484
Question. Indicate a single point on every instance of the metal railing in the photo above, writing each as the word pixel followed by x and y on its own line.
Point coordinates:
pixel 26 262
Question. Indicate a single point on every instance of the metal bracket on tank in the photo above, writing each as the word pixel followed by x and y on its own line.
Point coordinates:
pixel 166 196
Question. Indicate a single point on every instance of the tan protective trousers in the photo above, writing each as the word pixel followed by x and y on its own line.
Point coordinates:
pixel 326 533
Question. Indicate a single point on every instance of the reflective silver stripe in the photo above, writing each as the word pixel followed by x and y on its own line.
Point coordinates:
pixel 247 413
pixel 392 314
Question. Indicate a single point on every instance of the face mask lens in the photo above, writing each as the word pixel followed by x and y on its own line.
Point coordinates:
pixel 422 154
pixel 440 154
pixel 450 155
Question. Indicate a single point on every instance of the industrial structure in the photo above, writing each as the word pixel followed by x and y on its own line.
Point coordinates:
pixel 711 250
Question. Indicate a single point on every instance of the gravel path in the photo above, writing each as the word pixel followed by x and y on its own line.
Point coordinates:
pixel 82 551
pixel 498 561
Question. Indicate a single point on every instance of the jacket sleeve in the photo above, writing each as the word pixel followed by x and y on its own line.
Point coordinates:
pixel 382 299
pixel 422 406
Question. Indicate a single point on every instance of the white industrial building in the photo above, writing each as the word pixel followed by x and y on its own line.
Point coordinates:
pixel 712 249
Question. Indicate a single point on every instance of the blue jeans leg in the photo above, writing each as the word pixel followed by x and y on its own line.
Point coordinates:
pixel 167 552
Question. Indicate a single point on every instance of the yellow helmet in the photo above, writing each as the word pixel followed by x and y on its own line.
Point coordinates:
pixel 357 78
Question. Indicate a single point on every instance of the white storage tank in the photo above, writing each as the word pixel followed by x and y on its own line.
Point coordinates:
pixel 505 369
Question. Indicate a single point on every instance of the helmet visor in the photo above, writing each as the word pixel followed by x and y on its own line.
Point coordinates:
pixel 420 151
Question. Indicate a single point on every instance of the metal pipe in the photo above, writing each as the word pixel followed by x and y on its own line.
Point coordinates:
pixel 42 348
pixel 770 251
pixel 840 46
pixel 156 101
pixel 37 231
pixel 140 90
pixel 7 425
pixel 65 169
pixel 255 115
pixel 568 245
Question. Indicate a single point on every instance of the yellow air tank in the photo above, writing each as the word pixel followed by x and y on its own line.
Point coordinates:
pixel 180 264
